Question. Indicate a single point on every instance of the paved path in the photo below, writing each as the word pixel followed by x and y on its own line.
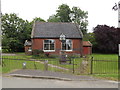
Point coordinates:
pixel 8 54
pixel 50 75
pixel 48 79
pixel 54 66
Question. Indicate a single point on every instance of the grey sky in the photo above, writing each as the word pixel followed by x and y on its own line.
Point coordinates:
pixel 99 11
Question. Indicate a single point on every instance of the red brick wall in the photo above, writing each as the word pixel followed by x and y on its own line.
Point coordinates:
pixel 87 50
pixel 76 44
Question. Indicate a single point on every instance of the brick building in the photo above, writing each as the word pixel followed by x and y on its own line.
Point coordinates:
pixel 45 36
pixel 87 48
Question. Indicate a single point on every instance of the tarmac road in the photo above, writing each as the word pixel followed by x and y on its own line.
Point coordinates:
pixel 17 82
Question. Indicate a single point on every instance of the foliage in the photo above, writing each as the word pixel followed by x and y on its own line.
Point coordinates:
pixel 53 18
pixel 38 19
pixel 63 13
pixel 80 17
pixel 37 52
pixel 14 32
pixel 107 38
pixel 91 37
pixel 75 15
pixel 47 54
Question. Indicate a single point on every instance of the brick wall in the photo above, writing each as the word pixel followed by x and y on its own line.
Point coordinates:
pixel 87 50
pixel 76 44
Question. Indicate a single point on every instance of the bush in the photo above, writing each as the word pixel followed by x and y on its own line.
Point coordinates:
pixel 42 55
pixel 37 52
pixel 54 56
pixel 47 54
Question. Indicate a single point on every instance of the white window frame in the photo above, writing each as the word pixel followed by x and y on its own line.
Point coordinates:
pixel 71 46
pixel 48 50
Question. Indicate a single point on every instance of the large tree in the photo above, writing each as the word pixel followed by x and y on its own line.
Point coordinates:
pixel 107 38
pixel 53 18
pixel 15 31
pixel 80 17
pixel 63 13
pixel 38 19
pixel 75 15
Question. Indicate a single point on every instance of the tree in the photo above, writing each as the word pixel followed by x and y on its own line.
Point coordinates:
pixel 76 15
pixel 107 38
pixel 80 17
pixel 91 37
pixel 53 18
pixel 15 31
pixel 34 20
pixel 63 13
pixel 39 19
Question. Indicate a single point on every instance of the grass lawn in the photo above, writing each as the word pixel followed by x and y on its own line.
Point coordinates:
pixel 100 66
pixel 107 76
pixel 105 56
pixel 97 66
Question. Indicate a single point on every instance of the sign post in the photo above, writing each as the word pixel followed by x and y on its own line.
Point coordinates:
pixel 119 52
pixel 119 44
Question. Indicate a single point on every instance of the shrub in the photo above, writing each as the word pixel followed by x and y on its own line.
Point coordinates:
pixel 54 56
pixel 42 55
pixel 47 54
pixel 37 52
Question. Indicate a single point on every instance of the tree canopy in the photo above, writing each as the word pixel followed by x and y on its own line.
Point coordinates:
pixel 15 31
pixel 107 38
pixel 75 15
pixel 53 18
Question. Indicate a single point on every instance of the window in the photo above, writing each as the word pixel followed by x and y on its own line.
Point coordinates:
pixel 67 45
pixel 49 45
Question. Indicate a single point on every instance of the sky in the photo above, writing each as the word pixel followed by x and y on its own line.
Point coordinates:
pixel 99 11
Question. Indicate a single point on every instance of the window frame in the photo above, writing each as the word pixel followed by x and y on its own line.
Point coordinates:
pixel 49 46
pixel 66 46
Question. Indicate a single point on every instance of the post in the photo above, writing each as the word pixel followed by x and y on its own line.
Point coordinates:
pixel 24 65
pixel 118 59
pixel 35 65
pixel 119 52
pixel 91 66
pixel 73 66
pixel 0 36
pixel 46 65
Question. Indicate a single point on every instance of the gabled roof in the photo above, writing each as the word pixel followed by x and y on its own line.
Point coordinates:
pixel 54 30
pixel 87 43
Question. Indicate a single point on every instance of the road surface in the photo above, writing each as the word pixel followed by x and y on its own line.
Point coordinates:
pixel 16 82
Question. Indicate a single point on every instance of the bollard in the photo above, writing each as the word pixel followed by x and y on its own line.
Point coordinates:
pixel 24 65
pixel 46 65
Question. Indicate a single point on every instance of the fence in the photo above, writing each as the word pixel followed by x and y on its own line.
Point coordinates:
pixel 50 64
pixel 73 65
pixel 104 66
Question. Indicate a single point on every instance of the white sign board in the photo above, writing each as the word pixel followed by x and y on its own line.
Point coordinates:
pixel 119 49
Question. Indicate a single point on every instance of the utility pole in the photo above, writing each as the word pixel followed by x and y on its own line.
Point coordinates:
pixel 117 7
pixel 119 14
pixel 0 36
